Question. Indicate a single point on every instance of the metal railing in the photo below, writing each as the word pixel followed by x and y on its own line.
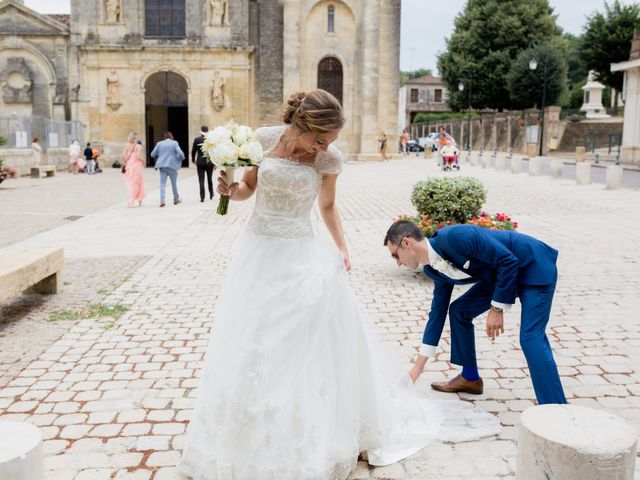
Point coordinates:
pixel 20 131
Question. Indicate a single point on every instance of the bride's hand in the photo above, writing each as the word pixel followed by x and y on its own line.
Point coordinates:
pixel 347 262
pixel 415 372
pixel 223 188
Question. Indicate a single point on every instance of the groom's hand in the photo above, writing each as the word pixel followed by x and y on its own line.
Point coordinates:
pixel 495 324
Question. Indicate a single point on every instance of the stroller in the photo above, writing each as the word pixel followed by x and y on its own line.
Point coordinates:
pixel 450 157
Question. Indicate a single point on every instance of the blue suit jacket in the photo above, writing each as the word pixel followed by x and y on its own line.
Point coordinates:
pixel 167 154
pixel 502 258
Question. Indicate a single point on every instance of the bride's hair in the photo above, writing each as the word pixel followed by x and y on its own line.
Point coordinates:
pixel 316 111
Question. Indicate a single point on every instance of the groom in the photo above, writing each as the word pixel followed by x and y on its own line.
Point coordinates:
pixel 501 265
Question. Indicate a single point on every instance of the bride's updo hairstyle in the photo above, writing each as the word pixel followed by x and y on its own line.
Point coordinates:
pixel 316 111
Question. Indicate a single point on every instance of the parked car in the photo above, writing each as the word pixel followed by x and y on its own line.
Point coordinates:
pixel 414 146
pixel 429 141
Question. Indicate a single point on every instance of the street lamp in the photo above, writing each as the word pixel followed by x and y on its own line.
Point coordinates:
pixel 533 65
pixel 461 89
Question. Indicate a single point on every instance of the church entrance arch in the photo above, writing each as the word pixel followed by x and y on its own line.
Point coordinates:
pixel 166 109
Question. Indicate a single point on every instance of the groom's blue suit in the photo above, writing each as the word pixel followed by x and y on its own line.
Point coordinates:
pixel 503 265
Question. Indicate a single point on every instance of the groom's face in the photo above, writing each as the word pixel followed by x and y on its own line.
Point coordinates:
pixel 403 253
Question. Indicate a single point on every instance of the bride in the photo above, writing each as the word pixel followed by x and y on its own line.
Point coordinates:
pixel 293 387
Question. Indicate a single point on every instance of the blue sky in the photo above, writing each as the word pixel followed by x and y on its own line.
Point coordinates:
pixel 425 24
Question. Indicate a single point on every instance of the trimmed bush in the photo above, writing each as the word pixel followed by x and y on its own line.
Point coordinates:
pixel 449 199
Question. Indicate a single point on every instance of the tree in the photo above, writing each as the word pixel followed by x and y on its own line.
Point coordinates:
pixel 607 40
pixel 526 86
pixel 487 37
pixel 577 72
pixel 421 72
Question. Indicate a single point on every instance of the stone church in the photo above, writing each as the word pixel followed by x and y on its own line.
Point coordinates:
pixel 154 65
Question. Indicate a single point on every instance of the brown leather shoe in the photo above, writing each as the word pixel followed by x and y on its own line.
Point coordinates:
pixel 459 384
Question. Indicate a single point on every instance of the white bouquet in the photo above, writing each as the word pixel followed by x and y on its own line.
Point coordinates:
pixel 230 147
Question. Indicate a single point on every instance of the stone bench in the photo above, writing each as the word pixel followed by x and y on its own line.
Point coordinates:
pixel 21 452
pixel 49 170
pixel 37 270
pixel 571 442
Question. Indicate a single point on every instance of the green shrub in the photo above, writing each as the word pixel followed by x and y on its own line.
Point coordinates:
pixel 452 199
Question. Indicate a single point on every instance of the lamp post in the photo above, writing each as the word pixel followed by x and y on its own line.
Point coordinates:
pixel 461 89
pixel 533 65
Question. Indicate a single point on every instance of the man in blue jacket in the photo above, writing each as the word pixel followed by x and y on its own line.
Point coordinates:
pixel 501 265
pixel 169 158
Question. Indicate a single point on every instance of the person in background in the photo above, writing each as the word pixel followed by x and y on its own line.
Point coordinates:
pixel 169 158
pixel 404 140
pixel 75 156
pixel 88 155
pixel 133 170
pixel 382 146
pixel 202 165
pixel 37 151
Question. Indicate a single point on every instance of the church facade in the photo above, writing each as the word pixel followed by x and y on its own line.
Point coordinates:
pixel 153 65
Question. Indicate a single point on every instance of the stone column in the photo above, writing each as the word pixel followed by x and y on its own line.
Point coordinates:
pixel 571 442
pixel 583 173
pixel 551 128
pixel 557 165
pixel 631 90
pixel 614 177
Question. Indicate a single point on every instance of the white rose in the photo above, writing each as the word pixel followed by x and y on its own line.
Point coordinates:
pixel 219 135
pixel 242 135
pixel 251 151
pixel 224 154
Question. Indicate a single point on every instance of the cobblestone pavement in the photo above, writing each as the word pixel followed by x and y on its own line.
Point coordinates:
pixel 30 206
pixel 113 403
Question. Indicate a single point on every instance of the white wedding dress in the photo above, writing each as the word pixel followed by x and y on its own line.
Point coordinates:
pixel 293 387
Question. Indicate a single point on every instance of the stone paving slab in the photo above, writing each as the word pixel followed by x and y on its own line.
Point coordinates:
pixel 114 403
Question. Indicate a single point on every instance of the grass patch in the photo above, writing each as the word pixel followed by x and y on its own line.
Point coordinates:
pixel 65 315
pixel 97 310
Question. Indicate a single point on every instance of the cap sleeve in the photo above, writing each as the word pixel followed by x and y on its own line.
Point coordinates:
pixel 330 162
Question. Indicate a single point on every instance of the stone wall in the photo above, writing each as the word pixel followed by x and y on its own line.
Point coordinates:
pixel 23 158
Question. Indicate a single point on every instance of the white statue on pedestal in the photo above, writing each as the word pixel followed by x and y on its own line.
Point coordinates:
pixel 593 98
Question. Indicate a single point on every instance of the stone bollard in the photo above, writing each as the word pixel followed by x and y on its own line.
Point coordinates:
pixel 614 177
pixel 583 173
pixel 500 163
pixel 580 154
pixel 427 152
pixel 486 161
pixel 535 166
pixel 516 164
pixel 21 452
pixel 557 166
pixel 571 442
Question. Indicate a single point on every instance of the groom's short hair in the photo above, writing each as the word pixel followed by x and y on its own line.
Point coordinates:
pixel 400 229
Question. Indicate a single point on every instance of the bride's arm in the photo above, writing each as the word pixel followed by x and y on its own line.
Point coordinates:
pixel 330 215
pixel 239 190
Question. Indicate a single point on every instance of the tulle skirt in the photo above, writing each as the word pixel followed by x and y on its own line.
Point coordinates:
pixel 293 387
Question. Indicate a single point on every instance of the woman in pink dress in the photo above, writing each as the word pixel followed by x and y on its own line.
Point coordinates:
pixel 133 170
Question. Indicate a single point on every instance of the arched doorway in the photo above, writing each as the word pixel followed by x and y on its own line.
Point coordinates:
pixel 330 76
pixel 166 109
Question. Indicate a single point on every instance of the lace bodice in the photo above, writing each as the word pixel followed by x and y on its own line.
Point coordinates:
pixel 288 189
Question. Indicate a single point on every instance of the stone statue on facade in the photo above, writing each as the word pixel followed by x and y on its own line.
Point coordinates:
pixel 217 91
pixel 113 84
pixel 218 12
pixel 113 11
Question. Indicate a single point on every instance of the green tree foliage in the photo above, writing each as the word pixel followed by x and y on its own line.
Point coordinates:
pixel 576 70
pixel 607 40
pixel 526 86
pixel 421 72
pixel 488 36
